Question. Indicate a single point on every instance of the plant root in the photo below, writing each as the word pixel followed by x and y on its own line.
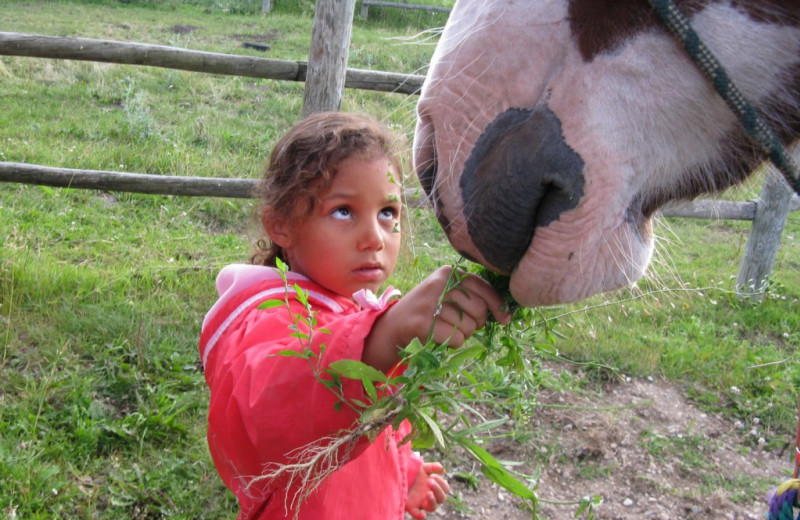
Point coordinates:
pixel 311 464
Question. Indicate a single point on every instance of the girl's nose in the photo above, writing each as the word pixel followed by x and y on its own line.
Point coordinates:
pixel 371 236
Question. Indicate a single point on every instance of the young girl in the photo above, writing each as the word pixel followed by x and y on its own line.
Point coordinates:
pixel 331 207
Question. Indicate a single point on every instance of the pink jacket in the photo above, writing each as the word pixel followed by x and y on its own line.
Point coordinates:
pixel 264 406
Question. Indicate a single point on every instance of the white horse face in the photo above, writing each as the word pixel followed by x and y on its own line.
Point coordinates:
pixel 550 131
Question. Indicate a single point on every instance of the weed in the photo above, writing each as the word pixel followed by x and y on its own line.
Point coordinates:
pixel 459 505
pixel 141 123
pixel 592 470
pixel 469 479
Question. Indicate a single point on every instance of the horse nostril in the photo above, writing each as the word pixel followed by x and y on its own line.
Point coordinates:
pixel 520 175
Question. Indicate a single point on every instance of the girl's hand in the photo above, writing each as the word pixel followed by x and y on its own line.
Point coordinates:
pixel 464 309
pixel 428 490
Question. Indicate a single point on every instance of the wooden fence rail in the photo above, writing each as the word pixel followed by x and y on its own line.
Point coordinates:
pixel 243 189
pixel 365 5
pixel 24 173
pixel 109 51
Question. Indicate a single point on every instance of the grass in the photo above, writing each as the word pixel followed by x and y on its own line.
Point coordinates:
pixel 100 372
pixel 685 323
pixel 102 400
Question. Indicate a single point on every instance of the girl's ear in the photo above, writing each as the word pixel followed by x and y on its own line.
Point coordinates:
pixel 277 228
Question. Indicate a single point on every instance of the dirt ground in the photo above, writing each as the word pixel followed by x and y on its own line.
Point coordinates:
pixel 641 446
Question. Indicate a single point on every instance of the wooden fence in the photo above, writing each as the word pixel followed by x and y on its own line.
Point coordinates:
pixel 107 51
pixel 768 214
pixel 365 5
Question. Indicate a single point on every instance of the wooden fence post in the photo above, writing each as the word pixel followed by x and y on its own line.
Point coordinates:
pixel 772 208
pixel 266 6
pixel 327 60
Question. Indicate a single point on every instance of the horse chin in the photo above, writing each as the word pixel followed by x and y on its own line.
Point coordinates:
pixel 557 268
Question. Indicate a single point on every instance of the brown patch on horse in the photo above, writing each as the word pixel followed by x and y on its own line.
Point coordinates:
pixel 780 12
pixel 601 26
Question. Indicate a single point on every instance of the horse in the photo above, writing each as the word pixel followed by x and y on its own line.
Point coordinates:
pixel 550 132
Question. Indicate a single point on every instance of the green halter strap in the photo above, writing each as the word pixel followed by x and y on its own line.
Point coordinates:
pixel 708 63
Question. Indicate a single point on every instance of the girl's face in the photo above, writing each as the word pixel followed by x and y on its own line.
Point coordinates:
pixel 351 240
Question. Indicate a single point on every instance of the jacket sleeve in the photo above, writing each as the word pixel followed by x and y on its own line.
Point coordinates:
pixel 266 405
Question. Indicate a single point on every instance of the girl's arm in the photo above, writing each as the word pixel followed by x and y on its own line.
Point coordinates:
pixel 464 310
pixel 265 404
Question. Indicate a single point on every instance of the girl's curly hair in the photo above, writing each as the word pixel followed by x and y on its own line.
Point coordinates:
pixel 304 161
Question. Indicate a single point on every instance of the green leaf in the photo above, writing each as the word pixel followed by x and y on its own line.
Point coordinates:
pixel 495 472
pixel 413 347
pixel 434 426
pixel 471 378
pixel 270 304
pixel 301 295
pixel 488 425
pixel 500 476
pixel 463 355
pixel 352 369
pixel 429 360
pixel 292 353
pixel 369 387
pixel 281 265
pixel 336 380
pixel 424 437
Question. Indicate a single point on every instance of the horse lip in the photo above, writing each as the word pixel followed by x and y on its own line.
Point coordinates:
pixel 639 219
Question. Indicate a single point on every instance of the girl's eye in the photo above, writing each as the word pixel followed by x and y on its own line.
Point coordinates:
pixel 341 213
pixel 387 214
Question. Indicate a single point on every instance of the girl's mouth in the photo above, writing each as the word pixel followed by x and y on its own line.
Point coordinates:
pixel 369 272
